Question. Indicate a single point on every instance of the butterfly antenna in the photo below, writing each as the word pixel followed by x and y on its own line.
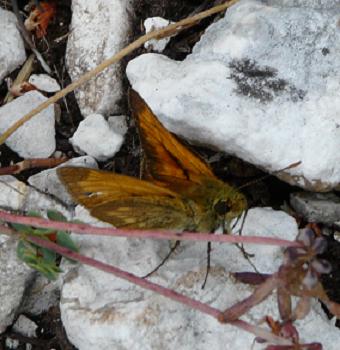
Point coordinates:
pixel 293 165
pixel 163 261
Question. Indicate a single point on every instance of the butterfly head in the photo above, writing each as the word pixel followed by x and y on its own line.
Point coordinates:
pixel 229 204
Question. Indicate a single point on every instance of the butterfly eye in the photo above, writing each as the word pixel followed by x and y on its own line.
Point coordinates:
pixel 222 207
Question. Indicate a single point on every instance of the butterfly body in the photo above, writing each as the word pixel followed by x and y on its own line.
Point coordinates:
pixel 178 191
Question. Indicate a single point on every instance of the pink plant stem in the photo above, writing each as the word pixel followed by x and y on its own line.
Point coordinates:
pixel 126 276
pixel 261 292
pixel 262 333
pixel 32 163
pixel 166 292
pixel 156 234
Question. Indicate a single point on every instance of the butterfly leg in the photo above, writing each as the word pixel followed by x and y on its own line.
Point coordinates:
pixel 163 261
pixel 240 246
pixel 208 264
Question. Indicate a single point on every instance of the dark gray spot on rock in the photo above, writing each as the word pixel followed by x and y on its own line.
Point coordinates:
pixel 325 51
pixel 261 82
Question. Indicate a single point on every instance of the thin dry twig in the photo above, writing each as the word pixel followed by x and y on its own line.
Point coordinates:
pixel 32 163
pixel 23 76
pixel 156 34
pixel 155 234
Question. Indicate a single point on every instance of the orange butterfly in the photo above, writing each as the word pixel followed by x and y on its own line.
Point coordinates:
pixel 179 190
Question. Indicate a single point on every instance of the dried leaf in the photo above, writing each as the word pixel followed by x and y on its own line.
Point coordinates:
pixel 40 18
pixel 20 89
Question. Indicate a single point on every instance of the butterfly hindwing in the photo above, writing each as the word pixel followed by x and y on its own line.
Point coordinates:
pixel 166 156
pixel 147 213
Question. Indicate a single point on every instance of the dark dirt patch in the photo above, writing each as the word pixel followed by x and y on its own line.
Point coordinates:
pixel 50 334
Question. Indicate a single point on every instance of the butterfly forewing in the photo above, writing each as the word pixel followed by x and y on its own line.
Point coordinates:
pixel 93 187
pixel 166 156
pixel 126 201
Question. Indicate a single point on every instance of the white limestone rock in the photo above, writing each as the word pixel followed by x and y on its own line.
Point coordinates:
pixel 153 23
pixel 35 138
pixel 16 195
pixel 44 82
pixel 93 303
pixel 23 325
pixel 319 4
pixel 317 207
pixel 12 52
pixel 12 192
pixel 47 181
pixel 12 344
pixel 262 84
pixel 97 138
pixel 99 29
pixel 40 296
pixel 14 276
pixel 118 124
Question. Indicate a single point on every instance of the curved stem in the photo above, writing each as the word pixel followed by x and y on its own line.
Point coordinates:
pixel 155 234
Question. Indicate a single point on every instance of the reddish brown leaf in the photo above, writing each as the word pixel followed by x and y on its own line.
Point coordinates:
pixel 19 90
pixel 40 18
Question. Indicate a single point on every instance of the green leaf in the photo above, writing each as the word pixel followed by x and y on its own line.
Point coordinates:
pixel 55 215
pixel 64 239
pixel 22 228
pixel 49 270
pixel 76 221
pixel 41 259
pixel 43 231
pixel 34 213
pixel 49 256
pixel 25 249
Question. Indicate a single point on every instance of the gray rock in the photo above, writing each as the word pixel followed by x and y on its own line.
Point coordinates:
pixel 36 138
pixel 23 325
pixel 317 4
pixel 153 23
pixel 93 303
pixel 317 207
pixel 261 84
pixel 41 295
pixel 12 52
pixel 14 277
pixel 16 195
pixel 98 30
pixel 44 82
pixel 12 343
pixel 47 181
pixel 97 138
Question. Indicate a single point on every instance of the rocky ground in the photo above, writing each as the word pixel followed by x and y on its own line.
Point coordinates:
pixel 253 91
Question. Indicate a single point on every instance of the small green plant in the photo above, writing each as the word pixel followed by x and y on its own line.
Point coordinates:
pixel 38 258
